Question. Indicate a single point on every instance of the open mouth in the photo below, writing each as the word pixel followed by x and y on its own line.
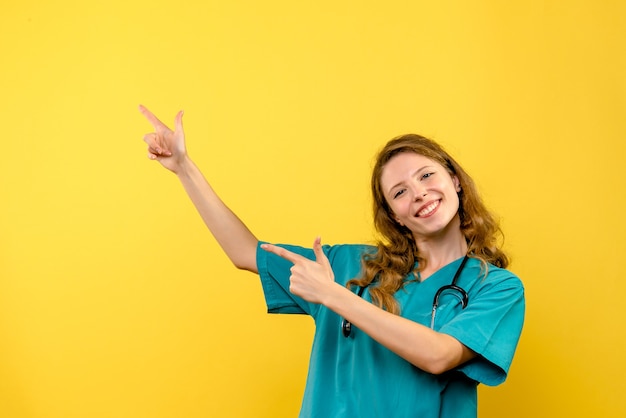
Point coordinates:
pixel 428 209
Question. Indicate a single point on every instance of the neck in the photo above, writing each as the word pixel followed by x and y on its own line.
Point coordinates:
pixel 437 257
pixel 440 251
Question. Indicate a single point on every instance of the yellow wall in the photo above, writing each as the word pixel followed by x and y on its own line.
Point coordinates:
pixel 116 302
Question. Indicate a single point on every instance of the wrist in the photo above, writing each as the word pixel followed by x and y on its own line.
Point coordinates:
pixel 336 298
pixel 185 167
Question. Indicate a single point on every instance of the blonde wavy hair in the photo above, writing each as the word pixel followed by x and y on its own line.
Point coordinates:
pixel 397 253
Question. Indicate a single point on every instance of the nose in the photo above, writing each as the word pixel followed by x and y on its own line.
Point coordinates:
pixel 419 191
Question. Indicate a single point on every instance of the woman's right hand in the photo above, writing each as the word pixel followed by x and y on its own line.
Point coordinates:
pixel 168 148
pixel 164 145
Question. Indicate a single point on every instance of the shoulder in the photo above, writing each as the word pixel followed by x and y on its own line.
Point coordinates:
pixel 498 276
pixel 488 278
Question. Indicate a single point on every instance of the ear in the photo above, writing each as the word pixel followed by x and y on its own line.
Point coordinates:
pixel 457 183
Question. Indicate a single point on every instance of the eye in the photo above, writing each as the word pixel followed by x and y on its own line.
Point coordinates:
pixel 427 175
pixel 398 193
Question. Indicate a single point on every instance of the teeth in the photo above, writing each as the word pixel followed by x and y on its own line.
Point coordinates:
pixel 428 209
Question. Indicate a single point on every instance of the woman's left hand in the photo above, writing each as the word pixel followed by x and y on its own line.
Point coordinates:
pixel 311 280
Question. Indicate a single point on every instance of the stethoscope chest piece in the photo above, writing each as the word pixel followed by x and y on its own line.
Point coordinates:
pixel 346 326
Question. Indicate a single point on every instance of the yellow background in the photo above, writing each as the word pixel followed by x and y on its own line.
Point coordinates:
pixel 116 302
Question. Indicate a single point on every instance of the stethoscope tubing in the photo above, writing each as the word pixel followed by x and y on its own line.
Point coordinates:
pixel 346 326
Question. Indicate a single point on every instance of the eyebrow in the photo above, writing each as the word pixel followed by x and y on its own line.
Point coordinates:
pixel 412 174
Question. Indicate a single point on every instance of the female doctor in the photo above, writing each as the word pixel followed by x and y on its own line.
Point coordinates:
pixel 408 328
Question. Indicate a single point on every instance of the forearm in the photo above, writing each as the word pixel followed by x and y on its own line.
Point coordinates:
pixel 231 233
pixel 426 349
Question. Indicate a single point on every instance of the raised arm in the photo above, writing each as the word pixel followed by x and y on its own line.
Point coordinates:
pixel 168 148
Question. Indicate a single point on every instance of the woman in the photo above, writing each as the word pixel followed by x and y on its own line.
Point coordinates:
pixel 405 329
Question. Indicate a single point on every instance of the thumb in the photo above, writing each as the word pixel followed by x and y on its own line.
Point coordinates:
pixel 178 122
pixel 320 257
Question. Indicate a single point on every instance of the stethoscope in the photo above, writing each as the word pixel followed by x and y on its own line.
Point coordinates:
pixel 346 326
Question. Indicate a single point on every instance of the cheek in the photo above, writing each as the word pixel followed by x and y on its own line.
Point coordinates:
pixel 400 209
pixel 456 202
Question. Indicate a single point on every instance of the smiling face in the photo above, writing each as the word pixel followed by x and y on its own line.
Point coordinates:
pixel 422 195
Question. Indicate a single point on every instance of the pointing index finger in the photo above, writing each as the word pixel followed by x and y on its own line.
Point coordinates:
pixel 284 253
pixel 154 121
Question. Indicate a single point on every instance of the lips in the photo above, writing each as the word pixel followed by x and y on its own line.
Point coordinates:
pixel 428 209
